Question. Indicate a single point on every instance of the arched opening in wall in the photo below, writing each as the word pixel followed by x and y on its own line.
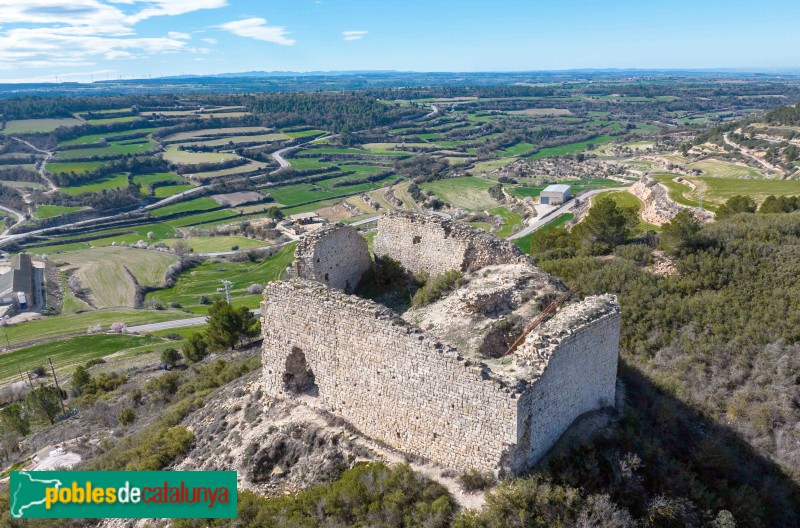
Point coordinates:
pixel 298 377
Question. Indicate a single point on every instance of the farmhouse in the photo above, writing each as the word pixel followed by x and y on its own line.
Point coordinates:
pixel 481 378
pixel 555 194
pixel 16 285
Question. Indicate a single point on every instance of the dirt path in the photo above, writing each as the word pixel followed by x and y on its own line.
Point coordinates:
pixel 749 154
pixel 41 165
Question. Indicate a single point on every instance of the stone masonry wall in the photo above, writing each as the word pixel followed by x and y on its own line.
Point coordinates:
pixel 436 245
pixel 335 255
pixel 573 367
pixel 390 380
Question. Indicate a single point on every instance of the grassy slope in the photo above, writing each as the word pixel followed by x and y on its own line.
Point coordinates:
pixel 466 192
pixel 103 272
pixel 205 280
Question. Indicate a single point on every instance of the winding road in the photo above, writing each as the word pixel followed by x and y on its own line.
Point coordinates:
pixel 41 165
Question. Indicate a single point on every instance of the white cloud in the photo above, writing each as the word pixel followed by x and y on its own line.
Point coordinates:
pixel 211 41
pixel 61 34
pixel 354 35
pixel 257 28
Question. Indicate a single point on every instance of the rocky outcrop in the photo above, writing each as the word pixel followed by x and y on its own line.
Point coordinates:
pixel 659 208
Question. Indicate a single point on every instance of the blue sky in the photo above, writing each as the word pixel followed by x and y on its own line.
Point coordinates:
pixel 80 40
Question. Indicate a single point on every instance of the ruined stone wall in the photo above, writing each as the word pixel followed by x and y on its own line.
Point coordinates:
pixel 573 359
pixel 436 245
pixel 335 255
pixel 389 379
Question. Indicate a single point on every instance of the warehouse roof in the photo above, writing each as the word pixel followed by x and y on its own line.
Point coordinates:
pixel 560 188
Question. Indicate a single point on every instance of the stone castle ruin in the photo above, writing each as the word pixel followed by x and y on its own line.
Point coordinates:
pixel 437 381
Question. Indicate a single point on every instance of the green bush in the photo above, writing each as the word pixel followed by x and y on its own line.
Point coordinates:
pixel 369 495
pixel 434 289
pixel 126 416
pixel 166 385
pixel 475 480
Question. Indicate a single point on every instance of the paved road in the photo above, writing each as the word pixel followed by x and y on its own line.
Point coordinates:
pixel 567 207
pixel 19 216
pixel 169 325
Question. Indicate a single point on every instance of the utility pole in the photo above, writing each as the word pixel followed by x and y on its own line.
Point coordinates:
pixel 227 285
pixel 30 383
pixel 55 378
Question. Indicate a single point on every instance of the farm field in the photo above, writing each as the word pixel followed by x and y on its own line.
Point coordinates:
pixel 78 167
pixel 62 325
pixel 111 274
pixel 198 204
pixel 169 190
pixel 723 169
pixel 204 280
pixel 572 147
pixel 142 180
pixel 66 354
pixel 627 200
pixel 213 244
pixel 184 136
pixel 185 157
pixel 49 211
pixel 465 192
pixel 112 181
pixel 511 220
pixel 29 126
pixel 111 150
pixel 96 138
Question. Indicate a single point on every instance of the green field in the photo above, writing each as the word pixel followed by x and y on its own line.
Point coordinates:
pixel 722 169
pixel 510 221
pixel 78 167
pixel 49 211
pixel 218 243
pixel 524 243
pixel 142 180
pixel 32 126
pixel 110 120
pixel 627 200
pixel 305 133
pixel 571 148
pixel 205 280
pixel 68 353
pixel 62 325
pixel 95 138
pixel 466 192
pixel 169 190
pixel 198 204
pixel 112 181
pixel 106 272
pixel 202 218
pixel 290 195
pixel 131 235
pixel 109 151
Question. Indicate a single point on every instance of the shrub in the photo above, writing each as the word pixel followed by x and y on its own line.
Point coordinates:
pixel 126 416
pixel 93 362
pixel 475 480
pixel 96 329
pixel 118 328
pixel 166 384
pixel 154 304
pixel 434 289
pixel 204 299
pixel 255 288
pixel 196 348
pixel 171 357
pixel 234 248
pixel 39 370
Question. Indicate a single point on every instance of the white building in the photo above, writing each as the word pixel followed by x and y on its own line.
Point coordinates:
pixel 555 195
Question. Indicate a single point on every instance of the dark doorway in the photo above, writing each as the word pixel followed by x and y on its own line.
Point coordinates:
pixel 298 378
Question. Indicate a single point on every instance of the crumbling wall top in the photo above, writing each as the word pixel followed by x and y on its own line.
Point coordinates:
pixel 335 255
pixel 535 352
